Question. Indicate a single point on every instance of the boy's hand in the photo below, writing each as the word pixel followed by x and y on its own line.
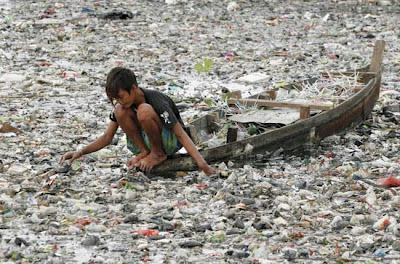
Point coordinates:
pixel 208 170
pixel 73 155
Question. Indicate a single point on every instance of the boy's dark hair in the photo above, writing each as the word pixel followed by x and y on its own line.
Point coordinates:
pixel 119 78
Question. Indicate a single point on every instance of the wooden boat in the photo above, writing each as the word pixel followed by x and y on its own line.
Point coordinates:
pixel 348 113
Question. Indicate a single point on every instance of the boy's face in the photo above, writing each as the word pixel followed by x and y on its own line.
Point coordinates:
pixel 126 99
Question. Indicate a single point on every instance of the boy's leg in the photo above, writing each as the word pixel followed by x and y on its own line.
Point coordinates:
pixel 151 124
pixel 128 121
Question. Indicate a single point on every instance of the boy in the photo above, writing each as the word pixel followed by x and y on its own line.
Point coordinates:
pixel 150 120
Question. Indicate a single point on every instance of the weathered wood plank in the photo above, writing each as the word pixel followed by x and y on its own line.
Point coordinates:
pixel 213 121
pixel 236 94
pixel 192 133
pixel 377 56
pixel 260 102
pixel 231 135
pixel 304 112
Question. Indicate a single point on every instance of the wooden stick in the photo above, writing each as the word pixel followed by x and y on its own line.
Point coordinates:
pixel 251 102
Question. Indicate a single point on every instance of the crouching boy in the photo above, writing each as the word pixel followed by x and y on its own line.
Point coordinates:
pixel 150 120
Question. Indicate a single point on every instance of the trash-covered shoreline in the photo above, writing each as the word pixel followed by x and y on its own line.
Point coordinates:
pixel 320 204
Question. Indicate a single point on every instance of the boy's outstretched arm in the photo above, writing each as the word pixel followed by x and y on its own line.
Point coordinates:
pixel 192 150
pixel 96 145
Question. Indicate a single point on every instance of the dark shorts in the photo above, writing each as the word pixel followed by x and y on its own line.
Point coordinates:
pixel 170 142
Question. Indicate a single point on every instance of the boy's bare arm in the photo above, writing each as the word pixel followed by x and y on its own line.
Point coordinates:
pixel 192 150
pixel 96 145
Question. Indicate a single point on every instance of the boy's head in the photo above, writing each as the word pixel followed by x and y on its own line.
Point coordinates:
pixel 119 78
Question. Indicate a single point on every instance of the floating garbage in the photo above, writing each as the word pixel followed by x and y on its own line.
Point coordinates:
pixel 335 200
pixel 389 181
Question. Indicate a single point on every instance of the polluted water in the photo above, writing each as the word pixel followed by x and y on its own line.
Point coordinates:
pixel 334 201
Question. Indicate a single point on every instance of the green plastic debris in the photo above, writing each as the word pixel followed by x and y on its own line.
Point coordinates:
pixel 252 130
pixel 9 17
pixel 209 101
pixel 219 238
pixel 130 186
pixel 76 165
pixel 6 211
pixel 204 66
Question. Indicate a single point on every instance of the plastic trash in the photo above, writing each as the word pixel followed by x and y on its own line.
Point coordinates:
pixel 389 182
pixel 146 232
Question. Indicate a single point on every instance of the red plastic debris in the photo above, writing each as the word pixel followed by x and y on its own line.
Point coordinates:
pixel 385 223
pixel 181 204
pixel 332 56
pixel 146 232
pixel 145 259
pixel 201 186
pixel 330 156
pixel 45 63
pixel 83 221
pixel 228 55
pixel 115 221
pixel 389 181
pixel 114 185
pixel 337 250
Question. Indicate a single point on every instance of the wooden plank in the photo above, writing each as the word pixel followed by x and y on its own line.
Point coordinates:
pixel 267 95
pixel 304 112
pixel 260 102
pixel 212 122
pixel 327 74
pixel 284 116
pixel 231 135
pixel 192 133
pixel 263 96
pixel 377 56
pixel 236 94
pixel 272 94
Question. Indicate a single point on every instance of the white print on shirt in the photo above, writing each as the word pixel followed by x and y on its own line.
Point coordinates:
pixel 165 115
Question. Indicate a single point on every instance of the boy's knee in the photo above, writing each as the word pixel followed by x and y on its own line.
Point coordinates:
pixel 119 111
pixel 144 112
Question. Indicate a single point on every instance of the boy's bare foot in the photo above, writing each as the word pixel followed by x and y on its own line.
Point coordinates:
pixel 151 160
pixel 131 163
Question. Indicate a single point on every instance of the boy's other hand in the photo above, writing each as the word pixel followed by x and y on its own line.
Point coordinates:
pixel 73 155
